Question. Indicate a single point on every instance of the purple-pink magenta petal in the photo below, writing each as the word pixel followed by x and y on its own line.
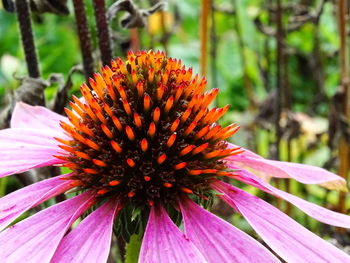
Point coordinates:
pixel 36 117
pixel 163 242
pixel 24 149
pixel 286 237
pixel 303 173
pixel 218 240
pixel 16 203
pixel 320 213
pixel 36 238
pixel 90 241
pixel 246 152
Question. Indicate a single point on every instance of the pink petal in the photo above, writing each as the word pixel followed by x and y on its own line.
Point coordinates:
pixel 286 237
pixel 320 213
pixel 36 117
pixel 163 242
pixel 246 152
pixel 218 240
pixel 90 241
pixel 36 238
pixel 16 203
pixel 303 173
pixel 24 149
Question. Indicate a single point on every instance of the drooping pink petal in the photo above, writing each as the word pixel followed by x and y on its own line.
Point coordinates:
pixel 90 241
pixel 303 173
pixel 286 237
pixel 36 238
pixel 16 203
pixel 320 213
pixel 246 153
pixel 36 117
pixel 163 242
pixel 24 149
pixel 218 240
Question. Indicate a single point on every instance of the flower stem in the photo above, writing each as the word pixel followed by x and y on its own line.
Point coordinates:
pixel 103 31
pixel 84 38
pixel 205 10
pixel 25 28
pixel 344 150
pixel 279 83
pixel 3 185
pixel 133 248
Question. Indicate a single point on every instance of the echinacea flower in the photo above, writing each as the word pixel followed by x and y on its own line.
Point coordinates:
pixel 142 139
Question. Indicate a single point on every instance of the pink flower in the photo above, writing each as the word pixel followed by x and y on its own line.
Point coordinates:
pixel 114 146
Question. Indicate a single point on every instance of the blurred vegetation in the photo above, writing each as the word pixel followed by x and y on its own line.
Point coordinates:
pixel 244 61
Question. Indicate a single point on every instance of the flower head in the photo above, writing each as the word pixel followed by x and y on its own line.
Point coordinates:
pixel 142 137
pixel 145 132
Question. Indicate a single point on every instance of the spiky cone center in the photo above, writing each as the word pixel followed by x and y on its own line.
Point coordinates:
pixel 144 132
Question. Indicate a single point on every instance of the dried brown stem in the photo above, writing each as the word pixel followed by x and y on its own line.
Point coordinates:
pixel 344 149
pixel 104 40
pixel 279 81
pixel 25 28
pixel 134 39
pixel 84 38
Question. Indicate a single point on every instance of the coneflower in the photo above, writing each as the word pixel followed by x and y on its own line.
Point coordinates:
pixel 143 139
pixel 145 133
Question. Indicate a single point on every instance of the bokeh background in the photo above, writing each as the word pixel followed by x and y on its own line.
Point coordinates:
pixel 282 65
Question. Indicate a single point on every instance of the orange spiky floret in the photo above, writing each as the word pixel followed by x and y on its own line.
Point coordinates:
pixel 145 124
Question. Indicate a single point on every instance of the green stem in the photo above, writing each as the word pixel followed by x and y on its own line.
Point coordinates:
pixel 133 249
pixel 3 186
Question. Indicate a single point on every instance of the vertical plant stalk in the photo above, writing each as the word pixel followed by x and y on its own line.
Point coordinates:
pixel 204 16
pixel 344 150
pixel 246 79
pixel 134 39
pixel 164 31
pixel 267 53
pixel 25 28
pixel 279 69
pixel 286 104
pixel 133 248
pixel 27 38
pixel 104 39
pixel 84 38
pixel 279 89
pixel 288 209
